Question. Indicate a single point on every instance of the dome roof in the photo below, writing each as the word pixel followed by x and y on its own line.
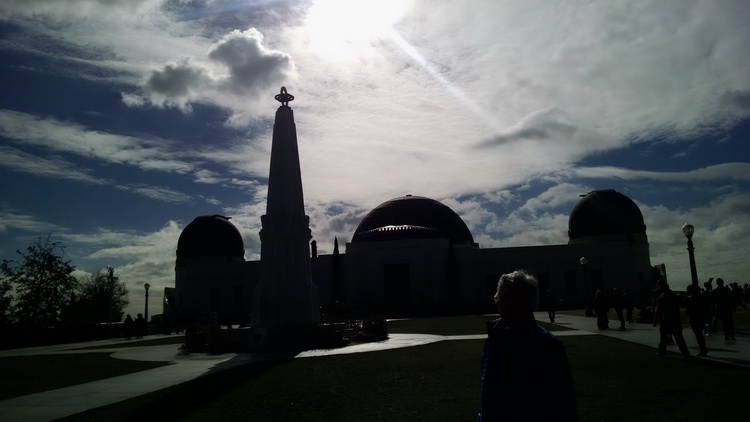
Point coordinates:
pixel 412 217
pixel 210 235
pixel 605 212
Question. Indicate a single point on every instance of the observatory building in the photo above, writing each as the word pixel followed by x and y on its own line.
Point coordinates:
pixel 409 256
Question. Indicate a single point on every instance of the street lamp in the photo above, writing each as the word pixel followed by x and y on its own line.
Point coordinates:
pixel 688 230
pixel 145 312
pixel 587 293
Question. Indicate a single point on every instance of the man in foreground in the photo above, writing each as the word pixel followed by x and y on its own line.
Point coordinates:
pixel 522 360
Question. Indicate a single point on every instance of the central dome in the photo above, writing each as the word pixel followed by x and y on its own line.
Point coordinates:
pixel 412 217
pixel 210 235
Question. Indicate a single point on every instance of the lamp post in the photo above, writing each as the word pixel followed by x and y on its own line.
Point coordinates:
pixel 145 312
pixel 688 230
pixel 587 293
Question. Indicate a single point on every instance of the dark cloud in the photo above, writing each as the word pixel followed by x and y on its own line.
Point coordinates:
pixel 738 100
pixel 252 66
pixel 177 80
pixel 544 125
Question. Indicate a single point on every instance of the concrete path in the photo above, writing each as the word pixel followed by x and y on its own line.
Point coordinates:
pixel 66 401
pixel 736 352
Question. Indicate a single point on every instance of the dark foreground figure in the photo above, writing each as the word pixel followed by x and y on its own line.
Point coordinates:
pixel 525 370
pixel 667 314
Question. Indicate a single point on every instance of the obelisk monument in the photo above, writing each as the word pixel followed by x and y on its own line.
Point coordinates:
pixel 285 301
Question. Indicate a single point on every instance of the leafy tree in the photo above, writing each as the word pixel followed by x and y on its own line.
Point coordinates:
pixel 5 301
pixel 99 298
pixel 43 282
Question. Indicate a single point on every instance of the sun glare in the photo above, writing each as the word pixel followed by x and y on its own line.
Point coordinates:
pixel 340 28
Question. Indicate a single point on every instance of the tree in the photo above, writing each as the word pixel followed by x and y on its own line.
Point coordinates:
pixel 5 302
pixel 99 298
pixel 43 282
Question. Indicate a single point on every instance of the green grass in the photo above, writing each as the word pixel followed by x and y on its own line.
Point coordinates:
pixel 23 375
pixel 150 342
pixel 615 381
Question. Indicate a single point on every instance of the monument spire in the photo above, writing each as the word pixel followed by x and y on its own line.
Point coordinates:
pixel 286 297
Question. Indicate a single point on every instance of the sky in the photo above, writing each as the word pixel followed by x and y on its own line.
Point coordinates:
pixel 122 120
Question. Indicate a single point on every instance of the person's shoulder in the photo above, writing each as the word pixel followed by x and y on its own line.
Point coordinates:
pixel 543 333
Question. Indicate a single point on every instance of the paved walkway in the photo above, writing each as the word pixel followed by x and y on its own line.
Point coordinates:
pixel 66 401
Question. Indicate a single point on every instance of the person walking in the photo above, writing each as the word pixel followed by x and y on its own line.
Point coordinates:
pixel 725 308
pixel 667 313
pixel 550 304
pixel 697 311
pixel 522 360
pixel 128 323
pixel 140 326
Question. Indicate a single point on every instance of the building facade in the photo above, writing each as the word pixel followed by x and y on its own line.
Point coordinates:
pixel 409 256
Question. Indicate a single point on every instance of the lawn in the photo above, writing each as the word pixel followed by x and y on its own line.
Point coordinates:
pixel 149 342
pixel 23 375
pixel 615 381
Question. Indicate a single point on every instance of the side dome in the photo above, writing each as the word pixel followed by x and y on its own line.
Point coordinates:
pixel 605 213
pixel 412 217
pixel 210 235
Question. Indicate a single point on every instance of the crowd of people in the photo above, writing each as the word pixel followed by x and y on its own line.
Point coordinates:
pixel 137 326
pixel 705 308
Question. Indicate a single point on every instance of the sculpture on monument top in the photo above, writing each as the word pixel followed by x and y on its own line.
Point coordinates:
pixel 284 97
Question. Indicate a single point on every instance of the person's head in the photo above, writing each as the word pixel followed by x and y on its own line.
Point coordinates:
pixel 692 289
pixel 140 315
pixel 720 282
pixel 516 295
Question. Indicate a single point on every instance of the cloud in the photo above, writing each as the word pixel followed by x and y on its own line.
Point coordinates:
pixel 739 100
pixel 239 66
pixel 253 67
pixel 159 193
pixel 720 238
pixel 23 222
pixel 52 167
pixel 67 8
pixel 66 137
pixel 550 124
pixel 725 171
pixel 137 256
pixel 175 84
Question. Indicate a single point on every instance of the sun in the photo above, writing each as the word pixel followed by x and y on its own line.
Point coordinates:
pixel 340 28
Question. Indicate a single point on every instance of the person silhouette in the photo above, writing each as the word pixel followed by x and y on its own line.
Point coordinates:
pixel 725 308
pixel 670 321
pixel 550 304
pixel 697 311
pixel 128 323
pixel 140 326
pixel 521 359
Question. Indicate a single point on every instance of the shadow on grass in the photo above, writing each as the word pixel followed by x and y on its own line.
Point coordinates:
pixel 174 403
pixel 127 343
pixel 23 375
pixel 432 382
pixel 615 381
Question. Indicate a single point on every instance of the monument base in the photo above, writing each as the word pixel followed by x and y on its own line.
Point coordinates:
pixel 290 338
